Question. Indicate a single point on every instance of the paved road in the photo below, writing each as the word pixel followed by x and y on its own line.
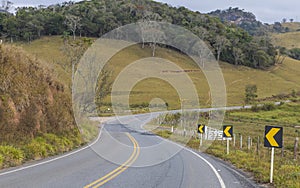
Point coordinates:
pixel 127 156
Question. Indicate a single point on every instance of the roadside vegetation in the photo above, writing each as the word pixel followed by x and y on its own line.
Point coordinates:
pixel 251 156
pixel 35 110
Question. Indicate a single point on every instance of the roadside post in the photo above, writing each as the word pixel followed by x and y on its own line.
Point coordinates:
pixel 201 131
pixel 296 142
pixel 227 135
pixel 273 139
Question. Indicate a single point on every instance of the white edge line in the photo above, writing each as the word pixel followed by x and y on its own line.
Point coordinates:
pixel 57 158
pixel 206 161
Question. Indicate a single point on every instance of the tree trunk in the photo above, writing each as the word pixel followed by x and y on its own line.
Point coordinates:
pixel 218 56
pixel 153 49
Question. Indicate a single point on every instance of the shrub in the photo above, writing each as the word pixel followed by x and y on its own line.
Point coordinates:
pixel 295 53
pixel 255 108
pixel 268 107
pixel 1 160
pixel 11 156
pixel 36 150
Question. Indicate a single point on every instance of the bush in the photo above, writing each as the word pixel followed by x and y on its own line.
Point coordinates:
pixel 36 150
pixel 268 107
pixel 264 107
pixel 295 53
pixel 255 108
pixel 47 145
pixel 250 93
pixel 1 160
pixel 11 156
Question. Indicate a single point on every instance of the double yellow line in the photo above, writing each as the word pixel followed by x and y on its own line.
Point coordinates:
pixel 120 169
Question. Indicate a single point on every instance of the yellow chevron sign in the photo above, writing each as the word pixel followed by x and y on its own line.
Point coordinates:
pixel 227 131
pixel 273 136
pixel 201 128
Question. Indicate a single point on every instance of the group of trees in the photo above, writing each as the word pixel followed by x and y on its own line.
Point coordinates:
pixel 248 22
pixel 284 20
pixel 244 20
pixel 96 17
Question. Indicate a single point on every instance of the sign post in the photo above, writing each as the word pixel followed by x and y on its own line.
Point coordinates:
pixel 227 134
pixel 201 131
pixel 273 139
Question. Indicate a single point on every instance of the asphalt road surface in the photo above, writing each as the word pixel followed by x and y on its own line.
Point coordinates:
pixel 126 156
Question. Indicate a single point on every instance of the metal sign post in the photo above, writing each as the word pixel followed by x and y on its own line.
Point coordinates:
pixel 273 139
pixel 201 137
pixel 272 164
pixel 227 150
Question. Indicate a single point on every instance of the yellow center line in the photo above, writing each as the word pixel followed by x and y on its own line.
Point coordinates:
pixel 120 169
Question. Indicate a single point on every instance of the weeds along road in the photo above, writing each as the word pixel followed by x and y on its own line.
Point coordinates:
pixel 125 155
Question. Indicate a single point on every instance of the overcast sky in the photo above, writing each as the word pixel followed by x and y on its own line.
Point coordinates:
pixel 265 10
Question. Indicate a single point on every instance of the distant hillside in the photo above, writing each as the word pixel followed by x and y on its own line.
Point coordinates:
pixel 281 79
pixel 292 26
pixel 96 17
pixel 32 101
pixel 248 22
pixel 288 40
pixel 244 20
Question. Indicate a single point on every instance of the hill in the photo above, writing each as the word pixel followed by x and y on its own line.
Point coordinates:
pixel 244 20
pixel 292 26
pixel 287 40
pixel 281 79
pixel 97 17
pixel 35 110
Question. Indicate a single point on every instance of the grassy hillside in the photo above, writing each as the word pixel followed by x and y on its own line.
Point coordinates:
pixel 280 79
pixel 288 40
pixel 49 52
pixel 294 26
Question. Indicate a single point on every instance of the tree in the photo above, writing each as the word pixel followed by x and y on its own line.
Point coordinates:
pixel 250 93
pixel 284 20
pixel 201 32
pixel 104 85
pixel 219 45
pixel 282 53
pixel 291 20
pixel 73 23
pixel 278 27
pixel 6 5
pixel 74 50
pixel 151 31
pixel 238 55
pixel 10 27
pixel 295 53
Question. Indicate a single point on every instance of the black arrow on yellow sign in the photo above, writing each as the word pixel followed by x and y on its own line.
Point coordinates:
pixel 273 136
pixel 201 128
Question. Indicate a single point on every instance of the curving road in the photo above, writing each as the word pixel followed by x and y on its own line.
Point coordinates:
pixel 126 156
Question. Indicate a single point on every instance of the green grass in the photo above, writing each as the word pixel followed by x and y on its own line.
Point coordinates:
pixel 280 79
pixel 288 114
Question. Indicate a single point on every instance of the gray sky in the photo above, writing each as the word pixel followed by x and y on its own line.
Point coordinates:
pixel 265 10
